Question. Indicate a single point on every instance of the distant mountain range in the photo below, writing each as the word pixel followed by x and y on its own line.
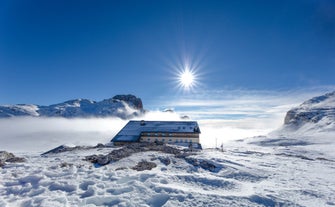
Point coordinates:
pixel 122 106
pixel 316 114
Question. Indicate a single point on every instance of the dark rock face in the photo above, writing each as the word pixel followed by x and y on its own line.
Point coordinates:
pixel 131 100
pixel 312 111
pixel 298 117
pixel 9 157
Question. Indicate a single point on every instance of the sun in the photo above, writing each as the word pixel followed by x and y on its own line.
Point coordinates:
pixel 186 78
pixel 185 75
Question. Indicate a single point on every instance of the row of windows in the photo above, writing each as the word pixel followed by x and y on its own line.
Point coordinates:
pixel 156 134
pixel 170 140
pixel 170 134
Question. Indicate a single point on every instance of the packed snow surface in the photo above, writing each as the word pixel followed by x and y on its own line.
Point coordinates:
pixel 259 171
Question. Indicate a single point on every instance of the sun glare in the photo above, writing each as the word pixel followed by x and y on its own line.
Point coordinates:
pixel 186 78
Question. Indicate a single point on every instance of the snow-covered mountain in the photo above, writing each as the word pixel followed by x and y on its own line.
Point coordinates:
pixel 122 106
pixel 316 114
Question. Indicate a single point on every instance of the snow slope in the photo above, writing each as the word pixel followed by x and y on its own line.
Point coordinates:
pixel 122 106
pixel 249 175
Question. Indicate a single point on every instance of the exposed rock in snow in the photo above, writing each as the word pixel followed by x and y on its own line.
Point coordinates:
pixel 144 165
pixel 122 106
pixel 9 157
pixel 165 160
pixel 204 164
pixel 130 149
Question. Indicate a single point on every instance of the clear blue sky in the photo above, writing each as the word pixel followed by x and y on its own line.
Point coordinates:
pixel 53 51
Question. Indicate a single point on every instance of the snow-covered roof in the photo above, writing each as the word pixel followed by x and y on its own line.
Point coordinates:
pixel 133 129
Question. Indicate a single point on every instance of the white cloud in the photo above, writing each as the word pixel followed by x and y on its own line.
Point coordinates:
pixel 41 134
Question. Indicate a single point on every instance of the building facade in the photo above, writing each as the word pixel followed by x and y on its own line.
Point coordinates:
pixel 159 131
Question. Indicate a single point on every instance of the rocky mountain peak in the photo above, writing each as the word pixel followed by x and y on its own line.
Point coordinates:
pixel 318 111
pixel 131 100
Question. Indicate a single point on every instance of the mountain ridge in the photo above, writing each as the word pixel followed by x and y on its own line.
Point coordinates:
pixel 122 106
pixel 317 113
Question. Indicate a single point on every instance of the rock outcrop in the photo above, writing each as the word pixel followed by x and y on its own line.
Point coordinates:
pixel 9 157
pixel 128 150
pixel 144 165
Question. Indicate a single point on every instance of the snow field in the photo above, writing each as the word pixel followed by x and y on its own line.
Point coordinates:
pixel 249 175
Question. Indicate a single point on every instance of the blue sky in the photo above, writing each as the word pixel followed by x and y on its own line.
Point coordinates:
pixel 53 51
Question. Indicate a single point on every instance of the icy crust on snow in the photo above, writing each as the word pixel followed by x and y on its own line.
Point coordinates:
pixel 250 174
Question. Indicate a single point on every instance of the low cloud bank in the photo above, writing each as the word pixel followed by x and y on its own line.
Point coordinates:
pixel 41 134
pixel 217 132
pixel 37 134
